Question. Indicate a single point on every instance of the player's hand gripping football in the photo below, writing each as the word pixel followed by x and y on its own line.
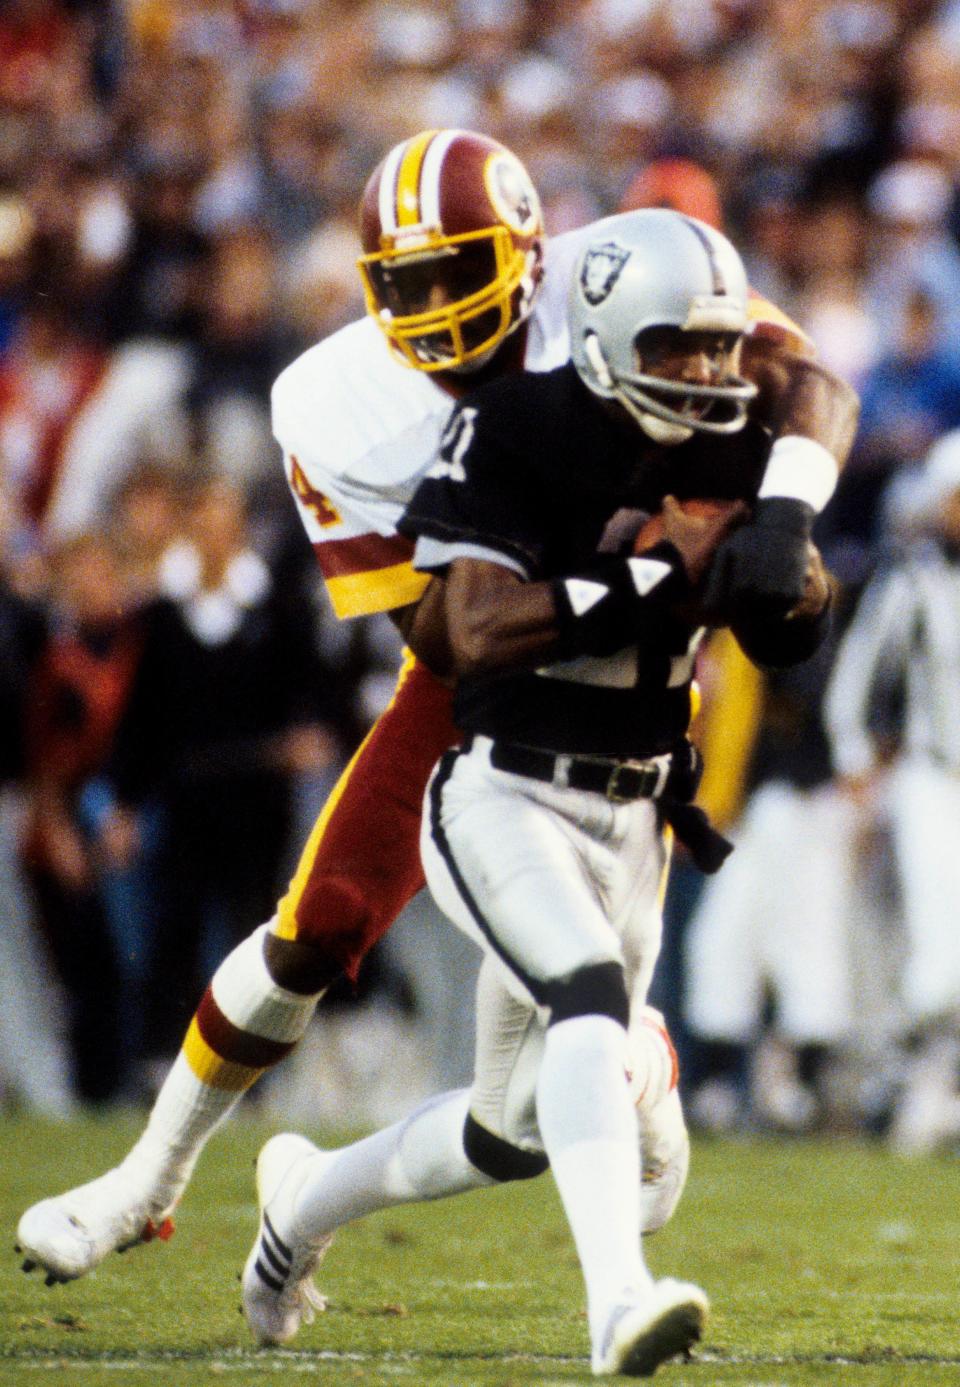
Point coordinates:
pixel 696 529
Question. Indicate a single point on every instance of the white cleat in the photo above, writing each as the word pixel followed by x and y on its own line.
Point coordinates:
pixel 69 1235
pixel 278 1290
pixel 643 1333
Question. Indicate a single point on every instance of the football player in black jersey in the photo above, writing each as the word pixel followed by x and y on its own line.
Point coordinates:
pixel 544 835
pixel 574 657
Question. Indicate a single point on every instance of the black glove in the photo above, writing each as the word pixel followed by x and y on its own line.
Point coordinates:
pixel 759 569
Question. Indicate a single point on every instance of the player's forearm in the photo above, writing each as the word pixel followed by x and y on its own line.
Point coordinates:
pixel 423 626
pixel 493 620
pixel 812 414
pixel 821 406
pixel 496 621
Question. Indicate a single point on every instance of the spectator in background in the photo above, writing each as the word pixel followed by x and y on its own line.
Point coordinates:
pixel 830 259
pixel 34 1058
pixel 911 247
pixel 240 350
pixel 909 397
pixel 301 167
pixel 677 183
pixel 768 208
pixel 771 938
pixel 160 289
pixel 631 113
pixel 16 240
pixel 905 635
pixel 22 633
pixel 143 520
pixel 47 374
pixel 76 415
pixel 227 706
pixel 320 287
pixel 78 691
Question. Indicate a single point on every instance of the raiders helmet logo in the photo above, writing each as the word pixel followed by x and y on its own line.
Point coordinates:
pixel 601 269
pixel 512 194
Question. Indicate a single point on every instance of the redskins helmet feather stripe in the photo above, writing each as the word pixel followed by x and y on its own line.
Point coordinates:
pixel 452 233
pixel 410 184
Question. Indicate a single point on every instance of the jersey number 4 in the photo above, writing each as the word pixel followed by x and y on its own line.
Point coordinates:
pixel 312 500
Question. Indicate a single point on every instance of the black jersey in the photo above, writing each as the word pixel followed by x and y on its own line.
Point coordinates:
pixel 537 474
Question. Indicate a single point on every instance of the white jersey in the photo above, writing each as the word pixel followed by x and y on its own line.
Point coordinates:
pixel 906 630
pixel 358 430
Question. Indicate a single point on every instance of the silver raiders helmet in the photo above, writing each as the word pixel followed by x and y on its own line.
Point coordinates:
pixel 645 271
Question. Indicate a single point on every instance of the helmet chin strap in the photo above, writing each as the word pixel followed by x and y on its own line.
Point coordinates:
pixel 666 431
pixel 661 431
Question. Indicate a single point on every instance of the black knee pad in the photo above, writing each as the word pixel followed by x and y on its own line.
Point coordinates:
pixel 498 1158
pixel 598 990
pixel 298 967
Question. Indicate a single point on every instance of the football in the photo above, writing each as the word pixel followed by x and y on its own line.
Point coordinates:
pixel 651 531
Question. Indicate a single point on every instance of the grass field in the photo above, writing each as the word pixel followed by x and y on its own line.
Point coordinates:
pixel 826 1263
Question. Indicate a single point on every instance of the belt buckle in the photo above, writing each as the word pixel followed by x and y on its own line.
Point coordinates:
pixel 647 777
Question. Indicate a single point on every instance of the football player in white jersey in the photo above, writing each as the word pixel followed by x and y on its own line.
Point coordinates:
pixel 461 286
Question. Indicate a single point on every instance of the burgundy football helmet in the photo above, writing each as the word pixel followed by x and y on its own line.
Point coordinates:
pixel 452 234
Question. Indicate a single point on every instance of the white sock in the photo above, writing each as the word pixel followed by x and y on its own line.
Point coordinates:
pixel 202 1088
pixel 589 1129
pixel 184 1116
pixel 417 1159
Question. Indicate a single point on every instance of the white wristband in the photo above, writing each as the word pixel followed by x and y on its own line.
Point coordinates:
pixel 801 469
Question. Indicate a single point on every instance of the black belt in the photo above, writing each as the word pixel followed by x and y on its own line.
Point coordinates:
pixel 617 780
pixel 671 779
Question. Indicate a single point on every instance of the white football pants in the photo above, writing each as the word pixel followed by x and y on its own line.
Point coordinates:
pixel 778 915
pixel 547 880
pixel 923 803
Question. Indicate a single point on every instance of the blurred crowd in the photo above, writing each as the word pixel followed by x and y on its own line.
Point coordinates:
pixel 178 191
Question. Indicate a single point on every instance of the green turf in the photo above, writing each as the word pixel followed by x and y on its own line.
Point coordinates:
pixel 826 1263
